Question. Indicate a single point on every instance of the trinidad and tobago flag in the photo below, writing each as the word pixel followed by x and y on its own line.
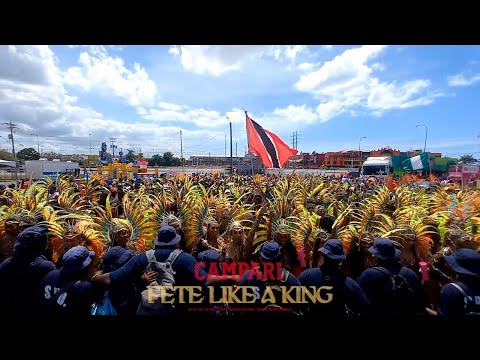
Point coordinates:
pixel 268 146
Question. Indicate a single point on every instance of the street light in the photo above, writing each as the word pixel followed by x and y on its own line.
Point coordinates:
pixel 359 151
pixel 38 143
pixel 426 133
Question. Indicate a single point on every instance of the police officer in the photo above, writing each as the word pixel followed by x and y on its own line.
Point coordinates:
pixel 21 275
pixel 211 261
pixel 347 296
pixel 267 275
pixel 380 283
pixel 187 273
pixel 125 299
pixel 463 296
pixel 68 290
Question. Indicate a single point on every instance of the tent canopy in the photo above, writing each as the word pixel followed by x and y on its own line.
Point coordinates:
pixel 7 163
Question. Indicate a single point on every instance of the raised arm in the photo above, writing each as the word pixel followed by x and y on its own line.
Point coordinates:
pixel 251 234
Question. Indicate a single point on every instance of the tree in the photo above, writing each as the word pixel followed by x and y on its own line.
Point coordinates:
pixel 168 159
pixel 155 159
pixel 28 154
pixel 467 159
pixel 94 159
pixel 131 157
pixel 52 155
pixel 6 155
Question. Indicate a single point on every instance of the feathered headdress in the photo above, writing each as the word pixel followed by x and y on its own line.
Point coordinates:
pixel 168 219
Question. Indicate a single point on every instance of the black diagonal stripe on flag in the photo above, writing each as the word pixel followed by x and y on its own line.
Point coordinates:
pixel 269 146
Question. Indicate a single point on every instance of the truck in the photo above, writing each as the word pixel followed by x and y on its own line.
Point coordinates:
pixel 38 169
pixel 378 166
pixel 465 174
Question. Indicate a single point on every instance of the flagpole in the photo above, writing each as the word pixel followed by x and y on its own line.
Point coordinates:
pixel 429 164
pixel 231 148
pixel 425 145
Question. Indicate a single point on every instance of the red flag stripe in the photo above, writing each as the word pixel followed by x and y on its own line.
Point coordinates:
pixel 268 146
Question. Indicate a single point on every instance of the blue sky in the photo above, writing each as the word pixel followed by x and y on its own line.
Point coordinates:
pixel 331 95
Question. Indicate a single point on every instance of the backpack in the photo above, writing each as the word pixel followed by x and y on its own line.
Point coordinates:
pixel 468 300
pixel 399 296
pixel 103 306
pixel 275 285
pixel 339 306
pixel 151 303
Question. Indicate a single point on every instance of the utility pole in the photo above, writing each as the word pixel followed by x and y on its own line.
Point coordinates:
pixel 13 126
pixel 295 143
pixel 181 147
pixel 90 153
pixel 231 148
pixel 225 148
pixel 295 139
pixel 113 146
pixel 236 149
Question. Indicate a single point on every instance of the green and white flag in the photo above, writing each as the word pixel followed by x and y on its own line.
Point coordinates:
pixel 419 162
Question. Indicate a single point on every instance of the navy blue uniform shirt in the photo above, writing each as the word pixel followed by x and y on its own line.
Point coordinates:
pixel 184 267
pixel 345 291
pixel 77 300
pixel 255 281
pixel 452 301
pixel 374 282
pixel 20 281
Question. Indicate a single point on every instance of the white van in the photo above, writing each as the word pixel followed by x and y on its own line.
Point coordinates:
pixel 377 166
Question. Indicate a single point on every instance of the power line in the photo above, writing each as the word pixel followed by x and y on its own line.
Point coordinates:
pixel 207 141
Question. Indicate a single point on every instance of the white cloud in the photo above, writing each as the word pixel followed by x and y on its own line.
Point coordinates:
pixel 292 51
pixel 217 60
pixel 200 117
pixel 174 50
pixel 116 47
pixel 461 80
pixel 35 99
pixel 305 66
pixel 109 76
pixel 35 65
pixel 296 114
pixel 328 47
pixel 328 110
pixel 283 121
pixel 141 110
pixel 94 49
pixel 169 106
pixel 347 82
pixel 343 71
pixel 385 96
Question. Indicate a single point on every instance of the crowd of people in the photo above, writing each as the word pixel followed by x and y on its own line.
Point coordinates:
pixel 88 247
